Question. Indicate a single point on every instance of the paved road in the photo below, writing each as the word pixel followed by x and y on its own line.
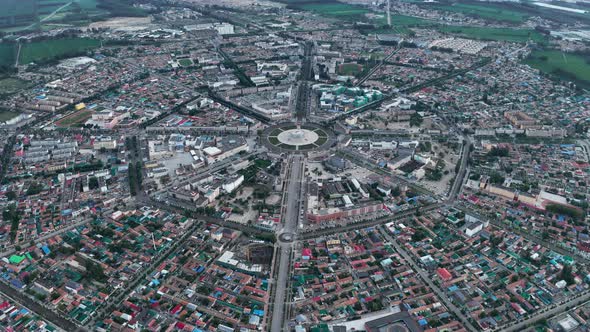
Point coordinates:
pixel 291 219
pixel 558 309
pixel 118 296
pixel 367 223
pixel 38 309
pixel 426 278
pixel 361 160
pixel 10 250
pixel 184 208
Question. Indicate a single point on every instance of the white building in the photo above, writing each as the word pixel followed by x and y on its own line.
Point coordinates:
pixel 473 228
pixel 232 184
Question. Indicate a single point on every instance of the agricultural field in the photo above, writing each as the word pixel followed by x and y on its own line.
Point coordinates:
pixel 349 69
pixel 487 11
pixel 401 24
pixel 7 54
pixel 333 9
pixel 52 14
pixel 17 7
pixel 566 66
pixel 497 34
pixel 49 49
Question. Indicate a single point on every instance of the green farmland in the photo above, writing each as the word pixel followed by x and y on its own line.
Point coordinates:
pixel 566 66
pixel 335 9
pixel 497 34
pixel 49 49
pixel 487 11
pixel 7 54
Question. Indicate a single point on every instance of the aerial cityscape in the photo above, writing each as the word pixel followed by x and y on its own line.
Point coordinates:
pixel 294 165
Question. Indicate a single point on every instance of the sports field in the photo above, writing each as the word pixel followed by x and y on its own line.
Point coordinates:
pixel 75 119
pixel 567 66
pixel 185 62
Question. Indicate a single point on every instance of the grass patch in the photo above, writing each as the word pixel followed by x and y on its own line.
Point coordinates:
pixel 288 146
pixel 6 115
pixel 262 163
pixel 274 140
pixel 349 69
pixel 321 140
pixel 497 34
pixel 566 66
pixel 10 85
pixel 50 49
pixel 275 132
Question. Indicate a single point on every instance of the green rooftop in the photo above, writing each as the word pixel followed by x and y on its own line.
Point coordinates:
pixel 16 259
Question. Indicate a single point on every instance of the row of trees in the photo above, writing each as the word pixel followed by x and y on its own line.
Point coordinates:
pixel 135 177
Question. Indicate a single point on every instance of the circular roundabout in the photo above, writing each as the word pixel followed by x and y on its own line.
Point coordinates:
pixel 290 137
pixel 286 237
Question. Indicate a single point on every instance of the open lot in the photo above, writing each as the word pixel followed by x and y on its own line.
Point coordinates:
pixel 567 66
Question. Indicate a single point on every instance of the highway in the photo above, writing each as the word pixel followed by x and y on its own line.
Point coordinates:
pixel 290 219
pixel 303 102
pixel 426 278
